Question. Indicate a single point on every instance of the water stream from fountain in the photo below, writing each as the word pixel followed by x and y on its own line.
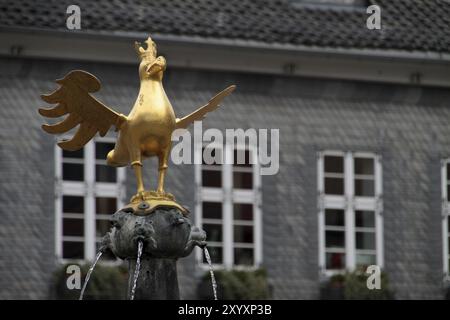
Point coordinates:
pixel 88 276
pixel 136 271
pixel 211 272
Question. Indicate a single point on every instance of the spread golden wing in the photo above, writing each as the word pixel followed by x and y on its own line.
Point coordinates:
pixel 73 98
pixel 201 112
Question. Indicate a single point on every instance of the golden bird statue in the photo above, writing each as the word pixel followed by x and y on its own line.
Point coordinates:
pixel 145 132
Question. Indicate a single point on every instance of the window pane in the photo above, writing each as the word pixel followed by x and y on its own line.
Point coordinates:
pixel 364 219
pixel 243 180
pixel 334 164
pixel 79 154
pixel 215 154
pixel 334 186
pixel 334 239
pixel 334 217
pixel 105 173
pixel 364 166
pixel 215 254
pixel 241 158
pixel 213 232
pixel 448 192
pixel 212 210
pixel 365 240
pixel 364 188
pixel 212 178
pixel 335 260
pixel 243 256
pixel 73 172
pixel 102 227
pixel 448 171
pixel 243 211
pixel 73 204
pixel 73 250
pixel 102 149
pixel 105 205
pixel 73 227
pixel 365 259
pixel 243 234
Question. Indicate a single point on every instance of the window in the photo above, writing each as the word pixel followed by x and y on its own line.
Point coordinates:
pixel 445 173
pixel 350 205
pixel 228 206
pixel 88 192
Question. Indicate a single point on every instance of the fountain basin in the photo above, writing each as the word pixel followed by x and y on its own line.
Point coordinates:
pixel 167 234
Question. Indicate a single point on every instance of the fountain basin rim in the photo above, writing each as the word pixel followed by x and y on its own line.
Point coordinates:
pixel 153 206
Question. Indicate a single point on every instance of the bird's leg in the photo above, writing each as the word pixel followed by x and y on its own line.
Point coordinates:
pixel 163 158
pixel 137 166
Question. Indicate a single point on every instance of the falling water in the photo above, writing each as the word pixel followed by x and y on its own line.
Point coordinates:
pixel 138 267
pixel 88 276
pixel 211 272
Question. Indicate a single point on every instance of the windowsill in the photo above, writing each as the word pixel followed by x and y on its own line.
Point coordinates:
pixel 220 267
pixel 325 275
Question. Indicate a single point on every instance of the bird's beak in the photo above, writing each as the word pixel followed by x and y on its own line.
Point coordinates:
pixel 152 68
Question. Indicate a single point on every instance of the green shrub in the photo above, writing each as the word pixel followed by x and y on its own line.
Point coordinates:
pixel 356 287
pixel 106 283
pixel 236 285
pixel 353 286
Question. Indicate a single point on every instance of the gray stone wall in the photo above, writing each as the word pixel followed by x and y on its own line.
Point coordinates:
pixel 406 125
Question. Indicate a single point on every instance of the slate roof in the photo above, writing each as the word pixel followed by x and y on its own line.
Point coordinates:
pixel 421 25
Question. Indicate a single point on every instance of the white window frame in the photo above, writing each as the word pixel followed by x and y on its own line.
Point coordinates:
pixel 227 195
pixel 445 217
pixel 350 203
pixel 89 189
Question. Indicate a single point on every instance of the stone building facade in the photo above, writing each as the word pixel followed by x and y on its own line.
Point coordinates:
pixel 363 145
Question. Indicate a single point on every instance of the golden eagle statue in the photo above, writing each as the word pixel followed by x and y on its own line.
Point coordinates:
pixel 145 132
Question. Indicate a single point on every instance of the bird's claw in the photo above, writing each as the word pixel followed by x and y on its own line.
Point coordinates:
pixel 141 195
